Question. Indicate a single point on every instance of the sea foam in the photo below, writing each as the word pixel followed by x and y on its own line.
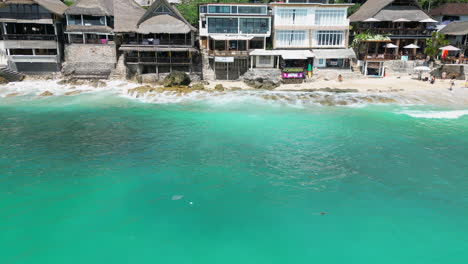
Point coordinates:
pixel 454 114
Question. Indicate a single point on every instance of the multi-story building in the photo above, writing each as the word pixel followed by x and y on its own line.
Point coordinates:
pixel 311 26
pixel 227 34
pixel 90 50
pixel 31 35
pixel 389 30
pixel 157 40
pixel 450 12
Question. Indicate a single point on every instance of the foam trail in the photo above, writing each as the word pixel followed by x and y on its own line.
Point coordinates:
pixel 455 114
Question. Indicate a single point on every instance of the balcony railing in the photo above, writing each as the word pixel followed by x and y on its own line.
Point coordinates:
pixel 394 31
pixel 26 16
pixel 378 57
pixel 228 52
pixel 180 42
pixel 134 59
pixel 27 37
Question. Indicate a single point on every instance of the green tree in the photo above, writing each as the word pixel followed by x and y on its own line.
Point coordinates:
pixel 430 4
pixel 433 44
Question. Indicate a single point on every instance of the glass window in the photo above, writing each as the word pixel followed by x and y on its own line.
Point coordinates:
pixel 264 60
pixel 222 25
pixel 202 9
pixel 222 9
pixel 330 17
pixel 292 16
pixel 74 20
pixel 234 9
pixel 94 20
pixel 329 38
pixel 252 9
pixel 254 25
pixel 291 38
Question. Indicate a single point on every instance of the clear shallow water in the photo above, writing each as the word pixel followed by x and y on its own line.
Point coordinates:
pixel 103 179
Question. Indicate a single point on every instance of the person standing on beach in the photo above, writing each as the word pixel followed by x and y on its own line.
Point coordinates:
pixel 452 83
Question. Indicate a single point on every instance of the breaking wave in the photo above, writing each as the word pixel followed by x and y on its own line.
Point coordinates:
pixel 435 114
pixel 290 98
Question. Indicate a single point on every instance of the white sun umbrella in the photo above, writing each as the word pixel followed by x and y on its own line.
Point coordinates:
pixel 411 46
pixel 402 20
pixel 422 69
pixel 450 48
pixel 371 20
pixel 391 46
pixel 428 20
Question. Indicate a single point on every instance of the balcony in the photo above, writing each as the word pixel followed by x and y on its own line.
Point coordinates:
pixel 25 16
pixel 409 32
pixel 156 60
pixel 28 37
pixel 384 57
pixel 231 53
pixel 34 58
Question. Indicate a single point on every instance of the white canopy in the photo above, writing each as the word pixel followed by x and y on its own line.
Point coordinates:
pixel 296 54
pixel 391 46
pixel 402 20
pixel 231 37
pixel 411 46
pixel 285 54
pixel 428 20
pixel 371 20
pixel 450 48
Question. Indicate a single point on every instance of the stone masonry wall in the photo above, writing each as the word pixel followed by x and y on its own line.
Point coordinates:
pixel 83 59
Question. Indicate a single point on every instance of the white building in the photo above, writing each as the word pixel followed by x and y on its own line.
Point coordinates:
pixel 312 25
pixel 227 34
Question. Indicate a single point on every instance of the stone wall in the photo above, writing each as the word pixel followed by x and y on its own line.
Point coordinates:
pixel 399 67
pixel 459 71
pixel 89 59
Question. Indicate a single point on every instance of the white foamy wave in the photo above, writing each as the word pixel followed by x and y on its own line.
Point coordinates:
pixel 289 98
pixel 435 114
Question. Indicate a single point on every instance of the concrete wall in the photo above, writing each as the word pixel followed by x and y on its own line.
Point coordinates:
pixel 28 44
pixel 90 53
pixel 89 59
pixel 401 68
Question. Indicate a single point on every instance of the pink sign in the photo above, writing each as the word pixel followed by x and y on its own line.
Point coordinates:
pixel 293 75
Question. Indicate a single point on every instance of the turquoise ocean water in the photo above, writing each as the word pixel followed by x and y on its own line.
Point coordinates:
pixel 104 179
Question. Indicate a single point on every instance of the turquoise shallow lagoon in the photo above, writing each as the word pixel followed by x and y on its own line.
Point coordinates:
pixel 104 179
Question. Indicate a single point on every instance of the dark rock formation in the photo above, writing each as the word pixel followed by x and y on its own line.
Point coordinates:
pixel 176 78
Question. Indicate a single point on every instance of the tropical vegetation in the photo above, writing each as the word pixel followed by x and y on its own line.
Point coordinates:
pixel 434 43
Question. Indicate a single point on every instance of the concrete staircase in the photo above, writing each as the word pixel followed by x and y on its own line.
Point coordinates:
pixel 208 73
pixel 120 71
pixel 10 75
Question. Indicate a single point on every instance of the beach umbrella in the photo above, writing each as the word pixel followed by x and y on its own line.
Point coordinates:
pixel 391 46
pixel 371 20
pixel 411 46
pixel 422 69
pixel 450 48
pixel 402 20
pixel 428 20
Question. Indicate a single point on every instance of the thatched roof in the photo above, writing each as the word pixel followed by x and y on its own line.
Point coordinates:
pixel 450 9
pixel 92 7
pixel 384 11
pixel 54 6
pixel 160 17
pixel 455 28
pixel 392 13
pixel 88 29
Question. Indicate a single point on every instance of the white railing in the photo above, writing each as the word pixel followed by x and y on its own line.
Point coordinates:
pixel 33 58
